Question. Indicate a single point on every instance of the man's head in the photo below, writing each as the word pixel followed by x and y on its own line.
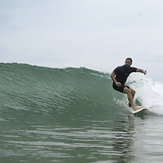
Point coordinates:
pixel 128 62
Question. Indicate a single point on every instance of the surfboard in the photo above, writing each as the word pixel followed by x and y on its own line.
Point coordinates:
pixel 140 110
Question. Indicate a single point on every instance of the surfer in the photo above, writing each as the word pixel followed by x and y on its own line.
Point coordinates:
pixel 119 77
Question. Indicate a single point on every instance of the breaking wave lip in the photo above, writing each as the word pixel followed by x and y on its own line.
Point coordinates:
pixel 34 88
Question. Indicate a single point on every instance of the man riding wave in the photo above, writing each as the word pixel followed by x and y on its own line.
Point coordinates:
pixel 119 77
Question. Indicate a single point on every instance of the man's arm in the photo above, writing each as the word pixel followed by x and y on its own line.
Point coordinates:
pixel 114 79
pixel 141 70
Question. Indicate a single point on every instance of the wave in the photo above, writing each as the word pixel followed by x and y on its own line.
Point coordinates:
pixel 70 90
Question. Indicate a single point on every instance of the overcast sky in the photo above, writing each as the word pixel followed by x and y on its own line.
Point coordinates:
pixel 97 34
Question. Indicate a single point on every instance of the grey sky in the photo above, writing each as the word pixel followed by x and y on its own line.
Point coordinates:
pixel 97 34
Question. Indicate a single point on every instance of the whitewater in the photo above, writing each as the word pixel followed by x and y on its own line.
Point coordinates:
pixel 74 115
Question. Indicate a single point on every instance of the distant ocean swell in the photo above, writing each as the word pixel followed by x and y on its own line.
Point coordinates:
pixel 69 91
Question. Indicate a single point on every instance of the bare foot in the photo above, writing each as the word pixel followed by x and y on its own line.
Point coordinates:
pixel 136 108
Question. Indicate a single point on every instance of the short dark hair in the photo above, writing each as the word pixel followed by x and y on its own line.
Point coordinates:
pixel 129 59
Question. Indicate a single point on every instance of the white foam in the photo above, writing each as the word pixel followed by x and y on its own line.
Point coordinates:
pixel 148 92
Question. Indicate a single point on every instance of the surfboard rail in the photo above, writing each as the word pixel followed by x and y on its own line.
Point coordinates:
pixel 140 110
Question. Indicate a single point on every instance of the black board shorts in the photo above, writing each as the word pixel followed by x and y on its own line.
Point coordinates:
pixel 119 88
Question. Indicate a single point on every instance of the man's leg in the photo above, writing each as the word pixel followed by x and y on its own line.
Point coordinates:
pixel 133 94
pixel 130 94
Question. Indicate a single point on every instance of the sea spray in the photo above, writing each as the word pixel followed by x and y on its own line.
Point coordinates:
pixel 148 92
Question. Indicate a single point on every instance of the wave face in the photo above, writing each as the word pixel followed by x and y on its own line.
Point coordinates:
pixel 69 90
pixel 46 90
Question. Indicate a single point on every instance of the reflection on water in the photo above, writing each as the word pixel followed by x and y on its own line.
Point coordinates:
pixel 119 139
pixel 123 140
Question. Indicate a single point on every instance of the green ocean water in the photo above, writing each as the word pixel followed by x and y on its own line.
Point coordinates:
pixel 73 115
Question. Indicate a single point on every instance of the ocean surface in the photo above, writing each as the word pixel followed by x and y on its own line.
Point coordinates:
pixel 73 115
